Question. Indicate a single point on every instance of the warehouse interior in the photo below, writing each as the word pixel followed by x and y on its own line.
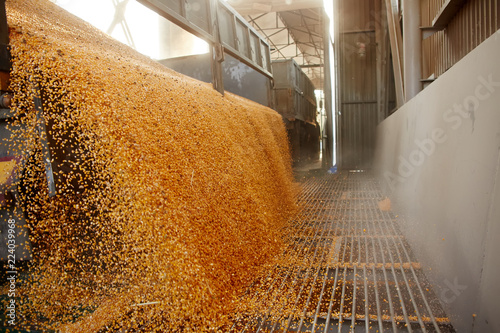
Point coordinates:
pixel 250 165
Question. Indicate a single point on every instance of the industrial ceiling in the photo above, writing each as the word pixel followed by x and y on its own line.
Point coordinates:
pixel 293 29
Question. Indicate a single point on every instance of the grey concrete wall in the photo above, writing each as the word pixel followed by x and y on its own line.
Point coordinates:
pixel 438 158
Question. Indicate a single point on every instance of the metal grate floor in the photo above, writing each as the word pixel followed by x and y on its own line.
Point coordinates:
pixel 351 269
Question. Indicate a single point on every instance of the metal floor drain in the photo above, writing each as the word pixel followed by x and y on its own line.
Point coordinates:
pixel 356 272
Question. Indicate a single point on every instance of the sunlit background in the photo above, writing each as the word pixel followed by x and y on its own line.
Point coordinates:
pixel 137 26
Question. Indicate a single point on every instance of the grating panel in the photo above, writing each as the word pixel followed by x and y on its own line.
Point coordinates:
pixel 348 268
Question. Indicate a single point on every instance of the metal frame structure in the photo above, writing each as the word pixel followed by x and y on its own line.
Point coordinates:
pixel 301 27
pixel 294 34
pixel 298 30
pixel 222 27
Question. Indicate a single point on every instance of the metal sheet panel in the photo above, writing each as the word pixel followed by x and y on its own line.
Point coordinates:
pixel 442 173
pixel 357 15
pixel 255 49
pixel 292 105
pixel 226 21
pixel 245 81
pixel 238 78
pixel 197 11
pixel 359 76
pixel 199 17
pixel 195 66
pixel 243 39
pixel 192 15
pixel 290 80
pixel 358 126
pixel 284 74
pixel 357 84
pixel 237 45
pixel 473 24
pixel 285 103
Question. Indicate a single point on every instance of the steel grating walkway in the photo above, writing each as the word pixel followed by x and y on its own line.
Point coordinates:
pixel 348 269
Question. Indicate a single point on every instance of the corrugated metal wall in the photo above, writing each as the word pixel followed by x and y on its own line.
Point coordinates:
pixel 357 22
pixel 475 22
pixel 357 83
pixel 296 102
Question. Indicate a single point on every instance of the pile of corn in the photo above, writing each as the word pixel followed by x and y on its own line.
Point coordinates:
pixel 170 198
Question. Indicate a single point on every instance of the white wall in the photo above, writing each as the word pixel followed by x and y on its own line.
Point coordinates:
pixel 438 158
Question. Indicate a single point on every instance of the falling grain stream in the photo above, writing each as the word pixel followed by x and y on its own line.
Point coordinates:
pixel 171 200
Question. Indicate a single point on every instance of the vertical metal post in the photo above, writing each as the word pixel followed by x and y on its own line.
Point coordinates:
pixel 396 44
pixel 216 49
pixel 328 143
pixel 44 143
pixel 4 49
pixel 4 29
pixel 412 45
pixel 383 56
pixel 336 79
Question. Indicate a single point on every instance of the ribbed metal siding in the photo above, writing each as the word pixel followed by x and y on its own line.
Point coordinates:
pixel 359 125
pixel 474 23
pixel 358 84
pixel 294 91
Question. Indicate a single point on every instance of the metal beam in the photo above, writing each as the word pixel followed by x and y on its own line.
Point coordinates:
pixel 383 55
pixel 252 7
pixel 207 26
pixel 274 46
pixel 311 51
pixel 396 43
pixel 4 40
pixel 216 51
pixel 119 18
pixel 311 66
pixel 412 45
pixel 446 13
pixel 330 93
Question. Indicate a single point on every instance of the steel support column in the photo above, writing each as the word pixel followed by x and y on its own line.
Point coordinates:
pixel 216 50
pixel 396 44
pixel 328 139
pixel 412 45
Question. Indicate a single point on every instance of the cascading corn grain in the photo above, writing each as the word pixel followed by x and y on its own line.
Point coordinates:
pixel 171 198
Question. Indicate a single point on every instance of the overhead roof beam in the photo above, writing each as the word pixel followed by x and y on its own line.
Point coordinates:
pixel 252 7
pixel 270 41
pixel 316 48
pixel 289 22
